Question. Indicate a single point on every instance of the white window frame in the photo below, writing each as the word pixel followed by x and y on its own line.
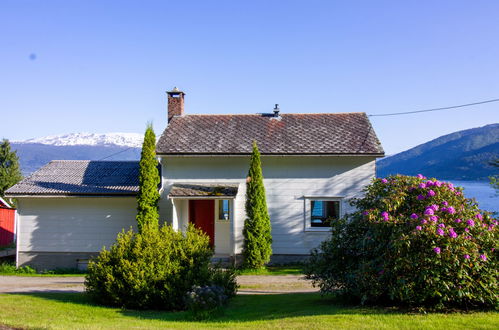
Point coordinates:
pixel 307 217
pixel 217 209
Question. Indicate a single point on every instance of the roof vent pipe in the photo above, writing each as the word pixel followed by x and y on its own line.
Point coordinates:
pixel 276 110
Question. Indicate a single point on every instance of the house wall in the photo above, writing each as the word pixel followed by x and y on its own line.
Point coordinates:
pixel 288 181
pixel 55 232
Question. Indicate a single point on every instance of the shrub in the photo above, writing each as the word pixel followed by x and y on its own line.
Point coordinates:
pixel 203 300
pixel 257 237
pixel 148 196
pixel 153 269
pixel 413 241
pixel 8 268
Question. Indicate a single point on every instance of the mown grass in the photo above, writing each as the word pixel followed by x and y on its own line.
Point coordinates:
pixel 273 270
pixel 311 311
pixel 8 268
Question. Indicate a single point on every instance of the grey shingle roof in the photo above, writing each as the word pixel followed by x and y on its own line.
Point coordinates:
pixel 203 190
pixel 80 178
pixel 330 133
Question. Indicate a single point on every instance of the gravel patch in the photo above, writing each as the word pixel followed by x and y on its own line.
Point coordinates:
pixel 249 284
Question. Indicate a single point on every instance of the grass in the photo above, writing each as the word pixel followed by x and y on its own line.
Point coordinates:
pixel 11 270
pixel 296 269
pixel 73 310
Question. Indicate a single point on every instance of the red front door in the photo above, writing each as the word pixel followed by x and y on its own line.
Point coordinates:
pixel 202 215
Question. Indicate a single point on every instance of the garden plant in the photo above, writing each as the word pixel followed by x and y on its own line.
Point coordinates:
pixel 257 229
pixel 155 269
pixel 414 241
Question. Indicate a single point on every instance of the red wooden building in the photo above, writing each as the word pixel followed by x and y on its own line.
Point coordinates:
pixel 7 223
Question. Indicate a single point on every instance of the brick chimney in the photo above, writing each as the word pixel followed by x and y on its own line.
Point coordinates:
pixel 175 103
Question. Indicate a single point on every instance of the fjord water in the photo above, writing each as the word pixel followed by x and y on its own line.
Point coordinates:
pixel 483 192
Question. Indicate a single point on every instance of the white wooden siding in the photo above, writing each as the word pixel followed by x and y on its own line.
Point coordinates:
pixel 73 224
pixel 288 180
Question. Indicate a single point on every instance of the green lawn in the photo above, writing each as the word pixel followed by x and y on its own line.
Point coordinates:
pixel 71 310
pixel 273 270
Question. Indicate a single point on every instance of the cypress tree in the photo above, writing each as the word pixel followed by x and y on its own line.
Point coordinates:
pixel 10 172
pixel 148 196
pixel 257 237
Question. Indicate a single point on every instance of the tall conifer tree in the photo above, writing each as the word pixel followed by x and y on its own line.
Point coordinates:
pixel 10 173
pixel 148 196
pixel 257 237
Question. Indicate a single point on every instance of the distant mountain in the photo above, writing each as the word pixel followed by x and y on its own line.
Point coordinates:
pixel 462 155
pixel 34 153
pixel 90 139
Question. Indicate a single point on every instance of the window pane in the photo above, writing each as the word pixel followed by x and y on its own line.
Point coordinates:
pixel 323 212
pixel 223 209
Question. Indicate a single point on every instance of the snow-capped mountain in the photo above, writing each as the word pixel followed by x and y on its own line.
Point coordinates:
pixel 34 153
pixel 133 140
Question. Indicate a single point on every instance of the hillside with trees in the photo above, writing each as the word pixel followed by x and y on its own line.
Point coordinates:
pixel 462 155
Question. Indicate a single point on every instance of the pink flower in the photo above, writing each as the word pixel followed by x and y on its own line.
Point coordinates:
pixel 467 230
pixel 429 211
pixel 450 185
pixel 450 210
pixel 385 216
pixel 431 193
pixel 483 257
pixel 414 216
pixel 470 222
pixel 423 221
pixel 420 176
pixel 384 180
pixel 437 250
pixel 438 183
pixel 433 218
pixel 445 203
pixel 420 197
pixel 457 221
pixel 434 207
pixel 419 228
pixel 441 225
pixel 452 233
pixel 479 216
pixel 429 183
pixel 440 232
pixel 422 185
pixel 467 256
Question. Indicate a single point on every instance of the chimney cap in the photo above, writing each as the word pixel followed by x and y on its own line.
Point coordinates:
pixel 175 91
pixel 276 110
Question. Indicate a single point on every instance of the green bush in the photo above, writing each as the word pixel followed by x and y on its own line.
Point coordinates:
pixel 9 268
pixel 204 300
pixel 257 229
pixel 413 241
pixel 153 269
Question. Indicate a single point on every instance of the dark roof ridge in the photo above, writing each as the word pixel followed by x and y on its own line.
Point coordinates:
pixel 269 113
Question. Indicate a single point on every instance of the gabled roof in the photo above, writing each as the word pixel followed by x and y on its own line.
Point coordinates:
pixel 80 178
pixel 289 134
pixel 203 190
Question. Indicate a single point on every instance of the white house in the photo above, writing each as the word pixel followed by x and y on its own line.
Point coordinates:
pixel 313 164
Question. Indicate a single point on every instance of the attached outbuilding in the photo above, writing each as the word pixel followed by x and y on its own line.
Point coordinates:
pixel 7 223
pixel 69 210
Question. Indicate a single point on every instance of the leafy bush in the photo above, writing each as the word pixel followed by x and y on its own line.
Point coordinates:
pixel 413 241
pixel 9 268
pixel 153 269
pixel 203 300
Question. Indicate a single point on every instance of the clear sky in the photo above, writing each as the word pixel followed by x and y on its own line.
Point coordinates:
pixel 104 66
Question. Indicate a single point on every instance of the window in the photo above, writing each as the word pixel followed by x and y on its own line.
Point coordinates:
pixel 321 212
pixel 223 210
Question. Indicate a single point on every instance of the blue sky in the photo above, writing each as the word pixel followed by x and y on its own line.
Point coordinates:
pixel 104 66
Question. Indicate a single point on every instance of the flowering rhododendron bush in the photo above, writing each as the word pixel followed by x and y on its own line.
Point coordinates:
pixel 415 241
